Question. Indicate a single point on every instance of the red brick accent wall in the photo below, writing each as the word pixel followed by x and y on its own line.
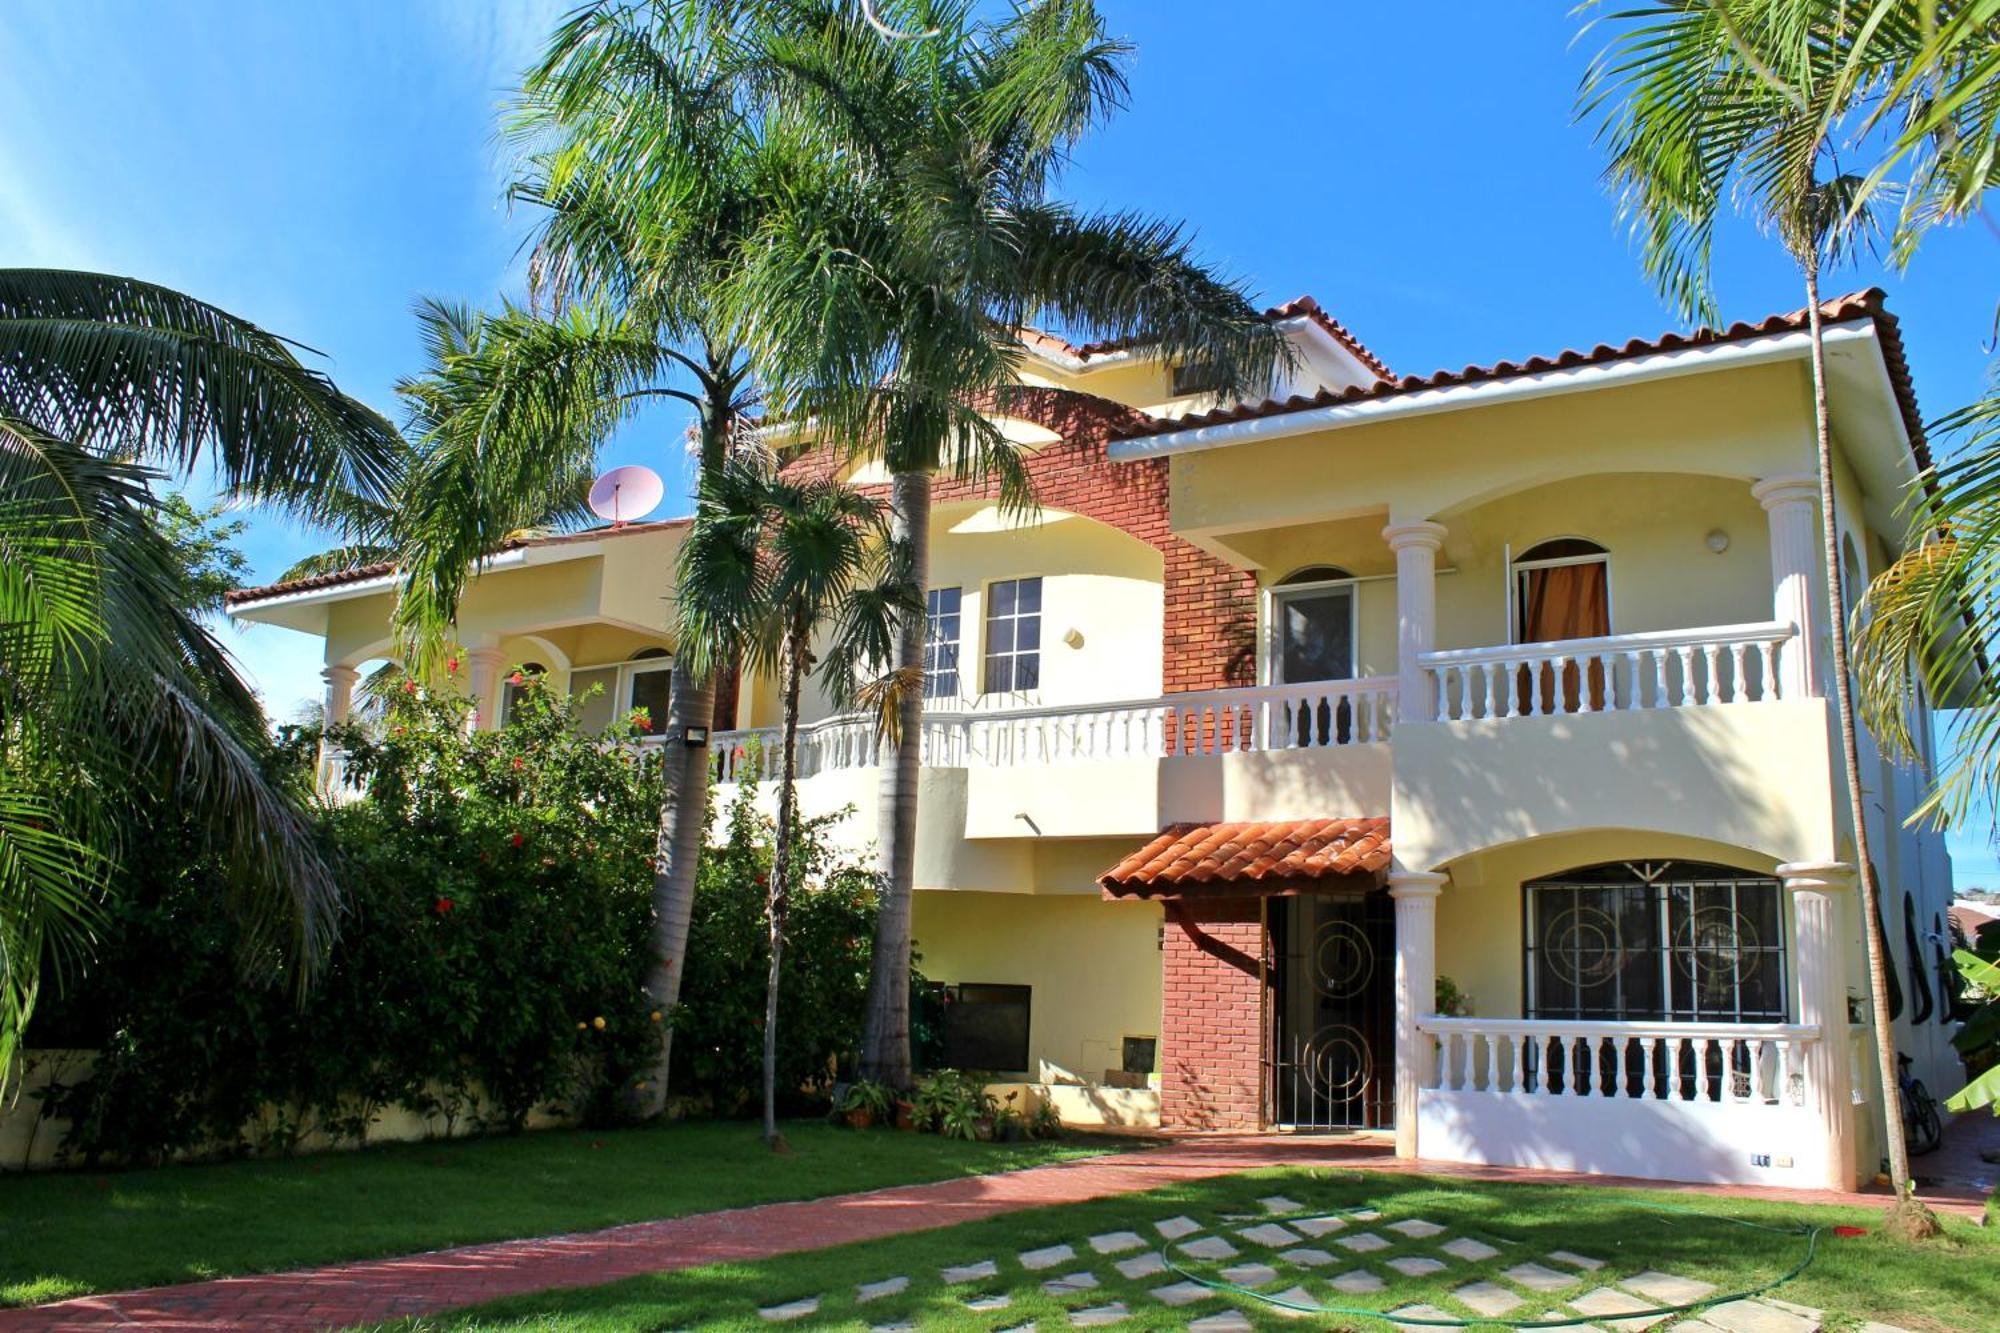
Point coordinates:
pixel 1211 1051
pixel 1211 607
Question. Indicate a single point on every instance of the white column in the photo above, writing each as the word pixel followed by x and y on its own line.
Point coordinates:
pixel 1416 894
pixel 484 681
pixel 1791 506
pixel 1416 547
pixel 339 693
pixel 1818 890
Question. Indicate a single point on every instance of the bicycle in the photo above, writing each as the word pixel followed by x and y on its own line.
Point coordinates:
pixel 1923 1129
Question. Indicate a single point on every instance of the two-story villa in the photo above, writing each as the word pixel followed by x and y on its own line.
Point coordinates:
pixel 1278 713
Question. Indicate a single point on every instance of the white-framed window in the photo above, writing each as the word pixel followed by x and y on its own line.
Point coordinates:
pixel 646 681
pixel 942 629
pixel 1561 589
pixel 1013 635
pixel 1310 626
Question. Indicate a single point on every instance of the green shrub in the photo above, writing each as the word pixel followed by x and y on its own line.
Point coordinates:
pixel 488 966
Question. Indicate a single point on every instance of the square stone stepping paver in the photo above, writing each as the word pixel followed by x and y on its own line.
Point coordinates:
pixel 1269 1233
pixel 1487 1298
pixel 1046 1257
pixel 1249 1275
pixel 1356 1281
pixel 1141 1265
pixel 1605 1302
pixel 968 1272
pixel 779 1314
pixel 1229 1321
pixel 1294 1296
pixel 875 1291
pixel 1174 1228
pixel 1416 1228
pixel 1572 1259
pixel 1307 1257
pixel 1318 1226
pixel 1418 1312
pixel 1181 1293
pixel 1278 1203
pixel 1468 1249
pixel 1117 1242
pixel 1366 1215
pixel 1362 1242
pixel 1417 1265
pixel 1756 1317
pixel 1098 1315
pixel 996 1300
pixel 1668 1289
pixel 1084 1281
pixel 1538 1278
pixel 1207 1247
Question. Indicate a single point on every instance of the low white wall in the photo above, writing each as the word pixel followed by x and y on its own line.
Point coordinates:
pixel 1713 1143
pixel 1087 1105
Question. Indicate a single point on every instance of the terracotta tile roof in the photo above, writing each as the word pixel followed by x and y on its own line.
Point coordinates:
pixel 362 573
pixel 1244 858
pixel 1304 307
pixel 1856 305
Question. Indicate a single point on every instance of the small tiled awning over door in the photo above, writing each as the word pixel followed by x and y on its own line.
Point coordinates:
pixel 1254 860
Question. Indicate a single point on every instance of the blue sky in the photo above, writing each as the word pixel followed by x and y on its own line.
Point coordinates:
pixel 317 167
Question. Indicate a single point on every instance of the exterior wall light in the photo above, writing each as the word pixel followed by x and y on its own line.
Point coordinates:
pixel 1717 540
pixel 693 737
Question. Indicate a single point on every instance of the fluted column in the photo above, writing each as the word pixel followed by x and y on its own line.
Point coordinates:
pixel 483 679
pixel 1818 889
pixel 1416 547
pixel 1416 894
pixel 1791 506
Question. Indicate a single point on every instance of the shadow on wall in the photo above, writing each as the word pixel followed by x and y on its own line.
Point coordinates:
pixel 1750 775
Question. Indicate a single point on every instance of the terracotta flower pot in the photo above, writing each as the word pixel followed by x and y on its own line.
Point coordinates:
pixel 860 1118
pixel 906 1115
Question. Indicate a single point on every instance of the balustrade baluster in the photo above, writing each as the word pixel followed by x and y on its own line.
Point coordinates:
pixel 1737 691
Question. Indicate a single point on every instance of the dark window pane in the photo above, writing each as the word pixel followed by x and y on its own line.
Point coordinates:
pixel 1027 672
pixel 1029 597
pixel 1000 636
pixel 1002 599
pixel 999 674
pixel 650 690
pixel 986 1027
pixel 1318 636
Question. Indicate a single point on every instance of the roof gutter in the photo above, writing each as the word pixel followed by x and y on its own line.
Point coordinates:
pixel 1484 393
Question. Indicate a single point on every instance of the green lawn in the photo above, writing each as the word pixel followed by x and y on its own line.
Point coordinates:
pixel 1953 1284
pixel 76 1232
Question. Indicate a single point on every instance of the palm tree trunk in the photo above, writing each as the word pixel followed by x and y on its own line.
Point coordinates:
pixel 1871 918
pixel 683 812
pixel 885 1041
pixel 779 901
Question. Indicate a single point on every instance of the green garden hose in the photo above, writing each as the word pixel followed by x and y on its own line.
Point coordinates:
pixel 1811 1234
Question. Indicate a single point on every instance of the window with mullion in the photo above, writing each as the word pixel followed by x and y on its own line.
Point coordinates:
pixel 1013 636
pixel 941 640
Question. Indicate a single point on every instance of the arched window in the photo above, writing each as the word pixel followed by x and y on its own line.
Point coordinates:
pixel 1681 940
pixel 1561 590
pixel 510 694
pixel 1312 626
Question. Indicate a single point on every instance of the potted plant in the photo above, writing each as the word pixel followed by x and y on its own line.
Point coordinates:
pixel 906 1114
pixel 865 1104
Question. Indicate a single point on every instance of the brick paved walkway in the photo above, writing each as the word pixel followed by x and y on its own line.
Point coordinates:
pixel 364 1292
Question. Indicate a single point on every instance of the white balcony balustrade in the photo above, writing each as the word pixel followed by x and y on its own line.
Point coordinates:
pixel 1726 664
pixel 1693 1063
pixel 1284 717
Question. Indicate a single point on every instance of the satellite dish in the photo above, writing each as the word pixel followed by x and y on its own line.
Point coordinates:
pixel 626 493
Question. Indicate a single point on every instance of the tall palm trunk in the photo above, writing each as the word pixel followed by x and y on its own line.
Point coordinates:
pixel 885 1041
pixel 779 901
pixel 677 856
pixel 1871 916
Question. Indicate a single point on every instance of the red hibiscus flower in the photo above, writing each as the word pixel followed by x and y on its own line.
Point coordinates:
pixel 445 905
pixel 517 840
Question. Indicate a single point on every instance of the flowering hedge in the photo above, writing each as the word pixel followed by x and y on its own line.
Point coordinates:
pixel 488 965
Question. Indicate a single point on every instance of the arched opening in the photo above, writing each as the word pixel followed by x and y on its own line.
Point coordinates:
pixel 1561 589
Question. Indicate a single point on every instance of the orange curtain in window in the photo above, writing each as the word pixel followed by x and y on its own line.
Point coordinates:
pixel 1564 602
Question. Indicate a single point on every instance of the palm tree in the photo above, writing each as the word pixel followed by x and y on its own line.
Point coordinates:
pixel 111 689
pixel 883 303
pixel 644 155
pixel 1702 100
pixel 771 566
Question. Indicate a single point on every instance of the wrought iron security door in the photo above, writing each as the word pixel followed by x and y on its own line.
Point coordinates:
pixel 1330 1051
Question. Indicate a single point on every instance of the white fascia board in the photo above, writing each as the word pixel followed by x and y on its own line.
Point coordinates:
pixel 1483 393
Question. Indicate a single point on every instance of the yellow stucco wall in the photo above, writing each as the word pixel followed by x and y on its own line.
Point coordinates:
pixel 1094 967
